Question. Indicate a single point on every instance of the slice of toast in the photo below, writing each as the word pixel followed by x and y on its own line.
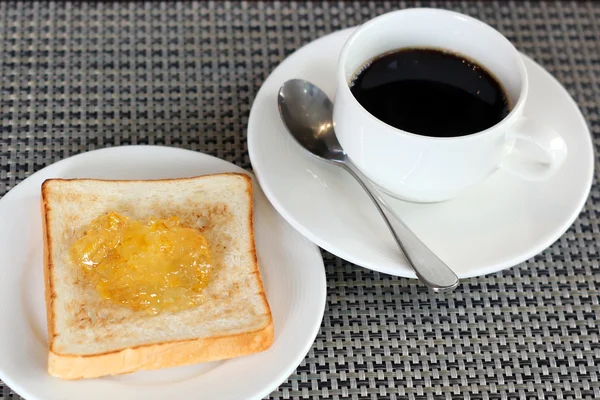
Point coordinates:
pixel 91 337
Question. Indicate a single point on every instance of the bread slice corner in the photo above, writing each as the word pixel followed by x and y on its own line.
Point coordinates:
pixel 89 337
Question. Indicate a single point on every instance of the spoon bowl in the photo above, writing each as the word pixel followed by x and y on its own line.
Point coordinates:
pixel 307 113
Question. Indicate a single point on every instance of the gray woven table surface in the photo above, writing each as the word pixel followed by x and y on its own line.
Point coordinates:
pixel 81 76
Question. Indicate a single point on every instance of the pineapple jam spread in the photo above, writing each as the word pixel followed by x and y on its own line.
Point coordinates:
pixel 153 265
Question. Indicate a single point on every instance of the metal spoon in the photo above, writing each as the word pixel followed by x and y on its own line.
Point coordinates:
pixel 307 113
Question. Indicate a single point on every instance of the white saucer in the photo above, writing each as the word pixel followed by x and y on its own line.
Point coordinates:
pixel 496 225
pixel 291 268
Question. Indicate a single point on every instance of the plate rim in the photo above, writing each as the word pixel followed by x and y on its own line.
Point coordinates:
pixel 405 271
pixel 321 286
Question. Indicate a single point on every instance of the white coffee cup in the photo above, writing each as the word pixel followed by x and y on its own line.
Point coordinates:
pixel 430 169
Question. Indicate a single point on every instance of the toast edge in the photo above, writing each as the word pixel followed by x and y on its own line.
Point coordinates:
pixel 263 294
pixel 48 287
pixel 162 355
pixel 188 178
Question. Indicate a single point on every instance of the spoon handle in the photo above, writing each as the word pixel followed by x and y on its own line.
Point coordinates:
pixel 430 270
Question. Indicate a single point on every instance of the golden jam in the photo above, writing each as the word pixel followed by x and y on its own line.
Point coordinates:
pixel 152 265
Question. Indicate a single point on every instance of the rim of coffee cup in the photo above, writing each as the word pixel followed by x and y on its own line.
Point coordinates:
pixel 514 113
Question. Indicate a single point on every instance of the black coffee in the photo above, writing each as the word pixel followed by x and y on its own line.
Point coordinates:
pixel 430 92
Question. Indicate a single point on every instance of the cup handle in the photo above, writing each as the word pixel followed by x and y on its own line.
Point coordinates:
pixel 544 138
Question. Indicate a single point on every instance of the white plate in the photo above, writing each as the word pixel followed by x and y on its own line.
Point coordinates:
pixel 496 225
pixel 291 268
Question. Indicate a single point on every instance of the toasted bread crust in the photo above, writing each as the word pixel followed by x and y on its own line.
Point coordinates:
pixel 156 355
pixel 190 178
pixel 49 290
pixel 163 355
pixel 263 295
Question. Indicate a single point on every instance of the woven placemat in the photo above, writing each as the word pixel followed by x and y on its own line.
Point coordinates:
pixel 81 76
